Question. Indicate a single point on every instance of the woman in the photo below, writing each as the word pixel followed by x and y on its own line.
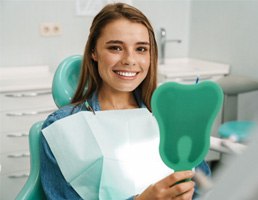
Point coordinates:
pixel 119 70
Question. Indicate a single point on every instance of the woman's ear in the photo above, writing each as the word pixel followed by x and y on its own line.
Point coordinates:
pixel 94 55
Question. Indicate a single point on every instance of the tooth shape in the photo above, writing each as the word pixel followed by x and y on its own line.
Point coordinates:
pixel 185 114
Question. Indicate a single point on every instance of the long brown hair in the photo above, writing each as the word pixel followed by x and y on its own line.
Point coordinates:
pixel 90 80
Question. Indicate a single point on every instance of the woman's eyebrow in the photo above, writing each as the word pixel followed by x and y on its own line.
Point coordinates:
pixel 114 42
pixel 121 42
pixel 143 43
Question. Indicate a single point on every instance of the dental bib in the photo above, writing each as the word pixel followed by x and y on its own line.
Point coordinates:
pixel 185 114
pixel 109 155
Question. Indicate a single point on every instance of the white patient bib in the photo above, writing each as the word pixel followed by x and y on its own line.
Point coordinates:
pixel 109 155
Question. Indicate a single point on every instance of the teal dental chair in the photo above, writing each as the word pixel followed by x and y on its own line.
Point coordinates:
pixel 63 88
pixel 233 86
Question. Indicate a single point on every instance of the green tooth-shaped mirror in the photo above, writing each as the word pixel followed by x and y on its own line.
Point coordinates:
pixel 185 114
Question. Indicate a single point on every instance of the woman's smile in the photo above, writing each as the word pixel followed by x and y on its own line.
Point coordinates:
pixel 123 55
pixel 128 75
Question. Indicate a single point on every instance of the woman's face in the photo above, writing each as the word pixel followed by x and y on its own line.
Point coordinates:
pixel 123 55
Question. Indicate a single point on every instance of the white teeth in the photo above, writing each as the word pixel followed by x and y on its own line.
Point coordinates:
pixel 128 74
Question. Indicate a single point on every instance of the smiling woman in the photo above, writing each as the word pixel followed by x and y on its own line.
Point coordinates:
pixel 120 32
pixel 123 58
pixel 119 72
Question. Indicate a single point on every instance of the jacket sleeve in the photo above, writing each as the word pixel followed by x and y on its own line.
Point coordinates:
pixel 203 166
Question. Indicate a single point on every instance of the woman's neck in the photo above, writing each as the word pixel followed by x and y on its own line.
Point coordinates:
pixel 115 100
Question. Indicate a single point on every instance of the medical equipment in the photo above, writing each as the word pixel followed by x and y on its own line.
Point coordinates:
pixel 226 146
pixel 233 86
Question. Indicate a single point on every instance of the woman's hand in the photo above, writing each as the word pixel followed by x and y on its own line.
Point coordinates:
pixel 169 188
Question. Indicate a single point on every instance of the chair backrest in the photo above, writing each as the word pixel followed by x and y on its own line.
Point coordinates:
pixel 63 88
pixel 32 189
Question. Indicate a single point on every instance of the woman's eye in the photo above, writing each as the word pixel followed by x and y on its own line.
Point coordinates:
pixel 115 48
pixel 142 49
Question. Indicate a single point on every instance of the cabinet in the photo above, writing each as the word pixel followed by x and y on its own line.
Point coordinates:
pixel 25 96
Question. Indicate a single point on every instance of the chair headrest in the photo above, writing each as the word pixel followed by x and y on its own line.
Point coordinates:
pixel 66 79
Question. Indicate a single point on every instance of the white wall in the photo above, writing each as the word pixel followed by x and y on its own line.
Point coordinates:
pixel 22 44
pixel 226 31
pixel 173 15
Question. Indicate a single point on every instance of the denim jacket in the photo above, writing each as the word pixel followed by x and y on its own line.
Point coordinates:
pixel 53 182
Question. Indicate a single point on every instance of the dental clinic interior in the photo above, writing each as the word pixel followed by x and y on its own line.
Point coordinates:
pixel 198 40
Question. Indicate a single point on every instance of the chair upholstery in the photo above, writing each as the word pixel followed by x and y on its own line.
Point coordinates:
pixel 237 130
pixel 32 190
pixel 63 88
pixel 65 80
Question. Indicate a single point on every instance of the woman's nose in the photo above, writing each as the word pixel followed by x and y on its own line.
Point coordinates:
pixel 128 58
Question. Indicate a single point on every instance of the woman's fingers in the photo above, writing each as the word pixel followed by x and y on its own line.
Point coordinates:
pixel 174 178
pixel 171 187
pixel 183 189
pixel 186 196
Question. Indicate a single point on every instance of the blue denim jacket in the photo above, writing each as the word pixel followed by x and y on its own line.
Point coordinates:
pixel 53 182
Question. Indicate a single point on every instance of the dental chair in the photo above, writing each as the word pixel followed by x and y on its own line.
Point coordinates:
pixel 63 88
pixel 232 128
